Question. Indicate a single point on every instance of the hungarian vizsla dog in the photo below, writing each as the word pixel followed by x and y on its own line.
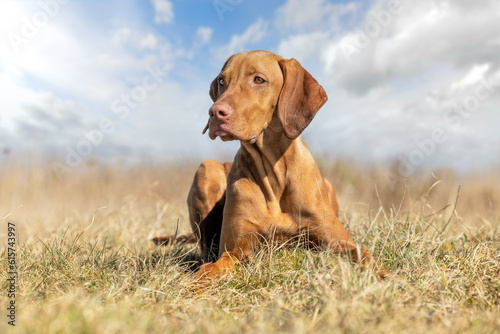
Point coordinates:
pixel 273 189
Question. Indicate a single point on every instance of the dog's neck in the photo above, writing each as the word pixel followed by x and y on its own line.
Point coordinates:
pixel 270 158
pixel 271 144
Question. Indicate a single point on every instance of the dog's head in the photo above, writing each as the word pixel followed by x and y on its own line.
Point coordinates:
pixel 255 85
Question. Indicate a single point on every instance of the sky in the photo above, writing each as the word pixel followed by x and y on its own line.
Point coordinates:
pixel 416 83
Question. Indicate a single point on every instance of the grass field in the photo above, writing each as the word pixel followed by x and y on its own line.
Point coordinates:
pixel 85 264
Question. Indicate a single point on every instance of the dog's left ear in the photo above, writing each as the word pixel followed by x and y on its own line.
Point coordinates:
pixel 300 99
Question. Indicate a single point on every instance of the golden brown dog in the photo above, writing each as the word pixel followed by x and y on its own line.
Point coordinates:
pixel 274 188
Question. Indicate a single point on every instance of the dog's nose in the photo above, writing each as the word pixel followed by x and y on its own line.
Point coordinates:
pixel 220 110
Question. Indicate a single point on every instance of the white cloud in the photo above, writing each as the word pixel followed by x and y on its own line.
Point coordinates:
pixel 423 35
pixel 139 40
pixel 238 43
pixel 472 78
pixel 203 35
pixel 297 15
pixel 10 95
pixel 303 46
pixel 164 11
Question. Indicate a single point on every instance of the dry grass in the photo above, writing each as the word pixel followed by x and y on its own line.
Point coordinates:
pixel 85 264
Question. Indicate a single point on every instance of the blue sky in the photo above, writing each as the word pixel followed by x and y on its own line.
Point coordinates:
pixel 413 82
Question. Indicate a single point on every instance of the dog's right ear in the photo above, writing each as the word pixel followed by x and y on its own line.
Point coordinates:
pixel 214 90
pixel 214 86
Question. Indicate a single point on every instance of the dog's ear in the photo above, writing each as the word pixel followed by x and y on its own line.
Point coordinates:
pixel 213 90
pixel 300 99
pixel 206 127
pixel 214 86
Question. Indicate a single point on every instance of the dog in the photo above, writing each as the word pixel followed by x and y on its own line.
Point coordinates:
pixel 273 189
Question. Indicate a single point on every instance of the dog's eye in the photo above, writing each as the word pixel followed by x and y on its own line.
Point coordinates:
pixel 221 82
pixel 259 80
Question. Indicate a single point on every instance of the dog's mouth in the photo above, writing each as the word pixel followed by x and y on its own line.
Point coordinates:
pixel 219 130
pixel 224 132
pixel 224 135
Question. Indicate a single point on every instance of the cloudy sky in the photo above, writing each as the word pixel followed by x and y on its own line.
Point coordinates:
pixel 417 82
